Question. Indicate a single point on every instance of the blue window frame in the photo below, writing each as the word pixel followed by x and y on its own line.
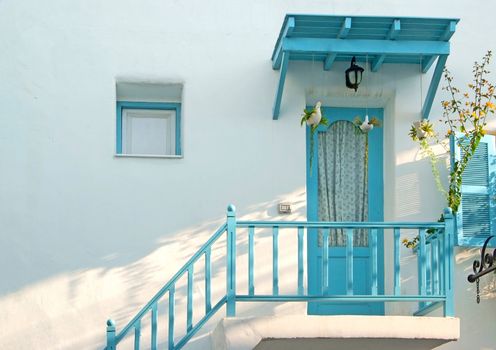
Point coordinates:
pixel 162 130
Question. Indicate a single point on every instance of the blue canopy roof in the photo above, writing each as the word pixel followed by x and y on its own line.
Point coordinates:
pixel 329 38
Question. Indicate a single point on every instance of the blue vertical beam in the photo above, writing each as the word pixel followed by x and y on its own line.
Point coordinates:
pixel 397 275
pixel 436 78
pixel 349 261
pixel 251 261
pixel 137 334
pixel 345 28
pixel 288 30
pixel 300 261
pixel 373 236
pixel 275 260
pixel 171 317
pixel 441 264
pixel 178 131
pixel 280 86
pixel 110 335
pixel 325 261
pixel 208 280
pixel 154 327
pixel 118 131
pixel 329 60
pixel 449 227
pixel 189 318
pixel 231 262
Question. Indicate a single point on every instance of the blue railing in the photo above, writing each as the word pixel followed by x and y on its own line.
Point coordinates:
pixel 435 273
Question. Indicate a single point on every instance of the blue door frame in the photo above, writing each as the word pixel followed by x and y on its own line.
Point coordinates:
pixel 376 213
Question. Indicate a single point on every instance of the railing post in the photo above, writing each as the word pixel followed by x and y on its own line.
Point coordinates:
pixel 449 242
pixel 231 261
pixel 110 335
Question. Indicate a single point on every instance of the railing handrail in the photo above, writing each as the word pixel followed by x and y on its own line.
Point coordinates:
pixel 342 224
pixel 172 281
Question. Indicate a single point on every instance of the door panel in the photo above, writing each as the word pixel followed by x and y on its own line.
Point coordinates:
pixel 362 268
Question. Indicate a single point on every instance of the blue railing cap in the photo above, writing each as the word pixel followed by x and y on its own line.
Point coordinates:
pixel 231 209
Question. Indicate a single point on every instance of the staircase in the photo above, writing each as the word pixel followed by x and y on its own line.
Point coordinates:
pixel 435 274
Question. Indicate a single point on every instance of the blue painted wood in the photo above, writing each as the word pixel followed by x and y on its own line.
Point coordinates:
pixel 374 261
pixel 121 105
pixel 428 308
pixel 189 318
pixel 154 327
pixel 170 339
pixel 300 261
pixel 137 335
pixel 450 30
pixel 375 205
pixel 288 30
pixel 325 261
pixel 329 60
pixel 280 86
pixel 394 30
pixel 342 224
pixel 422 259
pixel 476 215
pixel 428 265
pixel 345 28
pixel 231 261
pixel 251 260
pixel 449 242
pixel 111 339
pixel 397 276
pixel 435 266
pixel 366 47
pixel 208 280
pixel 377 63
pixel 349 261
pixel 341 298
pixel 427 63
pixel 436 77
pixel 275 260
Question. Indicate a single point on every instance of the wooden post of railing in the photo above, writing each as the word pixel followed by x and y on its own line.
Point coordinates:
pixel 231 262
pixel 449 242
pixel 110 335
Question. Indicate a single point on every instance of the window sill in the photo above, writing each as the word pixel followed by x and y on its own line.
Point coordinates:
pixel 147 156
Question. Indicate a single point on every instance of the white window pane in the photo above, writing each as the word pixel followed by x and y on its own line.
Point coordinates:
pixel 149 132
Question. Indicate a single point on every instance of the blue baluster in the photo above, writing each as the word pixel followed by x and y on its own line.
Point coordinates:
pixel 189 318
pixel 300 261
pixel 137 334
pixel 449 242
pixel 208 280
pixel 154 326
pixel 275 260
pixel 349 261
pixel 373 236
pixel 435 266
pixel 110 335
pixel 325 261
pixel 171 316
pixel 397 279
pixel 423 270
pixel 251 260
pixel 231 262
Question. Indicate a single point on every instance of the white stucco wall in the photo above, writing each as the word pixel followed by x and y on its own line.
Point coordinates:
pixel 86 236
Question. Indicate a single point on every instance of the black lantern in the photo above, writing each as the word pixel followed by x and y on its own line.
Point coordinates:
pixel 353 75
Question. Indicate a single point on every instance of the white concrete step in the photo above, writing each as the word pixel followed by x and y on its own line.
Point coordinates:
pixel 334 332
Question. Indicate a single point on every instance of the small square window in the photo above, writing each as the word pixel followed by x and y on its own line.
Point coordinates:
pixel 148 129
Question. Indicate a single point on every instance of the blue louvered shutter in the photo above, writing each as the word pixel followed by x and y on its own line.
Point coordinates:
pixel 476 215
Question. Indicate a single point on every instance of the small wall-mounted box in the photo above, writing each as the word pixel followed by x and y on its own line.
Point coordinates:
pixel 284 208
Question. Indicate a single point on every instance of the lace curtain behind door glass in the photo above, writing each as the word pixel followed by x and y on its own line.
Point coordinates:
pixel 343 187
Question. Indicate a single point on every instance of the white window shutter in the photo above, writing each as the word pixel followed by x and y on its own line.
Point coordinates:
pixel 476 214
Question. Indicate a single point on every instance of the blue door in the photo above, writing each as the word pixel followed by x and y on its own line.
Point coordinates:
pixel 345 183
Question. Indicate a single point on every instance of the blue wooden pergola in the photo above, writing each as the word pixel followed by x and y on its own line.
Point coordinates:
pixel 329 39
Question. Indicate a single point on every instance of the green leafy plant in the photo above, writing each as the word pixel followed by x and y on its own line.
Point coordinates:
pixel 465 116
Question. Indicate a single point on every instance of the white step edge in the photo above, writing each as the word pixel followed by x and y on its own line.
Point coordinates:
pixel 245 333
